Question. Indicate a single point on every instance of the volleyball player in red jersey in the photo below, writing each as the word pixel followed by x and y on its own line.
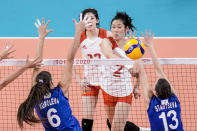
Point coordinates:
pixel 90 49
pixel 118 93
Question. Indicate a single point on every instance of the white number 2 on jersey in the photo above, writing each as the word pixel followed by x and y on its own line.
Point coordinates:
pixel 163 117
pixel 51 117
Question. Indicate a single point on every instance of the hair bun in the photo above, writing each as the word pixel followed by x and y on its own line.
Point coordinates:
pixel 127 21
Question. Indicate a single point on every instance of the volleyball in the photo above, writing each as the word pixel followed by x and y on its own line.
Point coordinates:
pixel 134 49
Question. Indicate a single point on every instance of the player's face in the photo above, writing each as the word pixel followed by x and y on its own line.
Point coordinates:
pixel 93 21
pixel 118 30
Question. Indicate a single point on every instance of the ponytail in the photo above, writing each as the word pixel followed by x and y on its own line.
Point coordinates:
pixel 36 95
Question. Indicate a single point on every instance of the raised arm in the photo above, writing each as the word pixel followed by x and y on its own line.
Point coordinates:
pixel 67 74
pixel 148 41
pixel 135 73
pixel 14 75
pixel 148 93
pixel 43 32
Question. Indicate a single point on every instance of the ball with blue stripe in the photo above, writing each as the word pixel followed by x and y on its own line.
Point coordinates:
pixel 134 49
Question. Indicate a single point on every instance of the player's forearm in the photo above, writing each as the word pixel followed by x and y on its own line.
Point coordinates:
pixel 108 53
pixel 74 46
pixel 144 81
pixel 121 53
pixel 112 56
pixel 12 77
pixel 137 84
pixel 155 61
pixel 1 56
pixel 39 51
pixel 76 75
pixel 146 91
pixel 66 78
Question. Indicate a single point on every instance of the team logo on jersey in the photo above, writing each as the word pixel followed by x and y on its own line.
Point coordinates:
pixel 84 47
pixel 164 102
pixel 48 95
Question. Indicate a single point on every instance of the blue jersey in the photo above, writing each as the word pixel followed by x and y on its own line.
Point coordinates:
pixel 55 112
pixel 165 115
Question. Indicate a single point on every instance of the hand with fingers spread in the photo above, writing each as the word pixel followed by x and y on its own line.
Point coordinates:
pixel 6 52
pixel 36 63
pixel 42 28
pixel 84 85
pixel 18 72
pixel 82 24
pixel 148 39
pixel 130 35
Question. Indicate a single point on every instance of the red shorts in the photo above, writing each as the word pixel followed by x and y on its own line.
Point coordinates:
pixel 94 91
pixel 108 99
pixel 112 100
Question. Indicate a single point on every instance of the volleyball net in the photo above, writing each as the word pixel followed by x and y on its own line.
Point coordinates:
pixel 182 73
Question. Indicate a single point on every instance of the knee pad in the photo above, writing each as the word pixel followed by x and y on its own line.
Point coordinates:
pixel 87 124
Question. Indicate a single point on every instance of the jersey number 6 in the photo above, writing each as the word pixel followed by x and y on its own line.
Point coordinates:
pixel 51 116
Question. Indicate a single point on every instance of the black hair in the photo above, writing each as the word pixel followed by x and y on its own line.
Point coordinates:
pixel 127 21
pixel 90 10
pixel 26 109
pixel 163 89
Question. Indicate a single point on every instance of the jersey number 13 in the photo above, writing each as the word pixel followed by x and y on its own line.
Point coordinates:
pixel 174 118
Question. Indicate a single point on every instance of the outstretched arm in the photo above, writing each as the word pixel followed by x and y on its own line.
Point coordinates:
pixel 14 75
pixel 148 41
pixel 43 32
pixel 106 48
pixel 144 82
pixel 67 74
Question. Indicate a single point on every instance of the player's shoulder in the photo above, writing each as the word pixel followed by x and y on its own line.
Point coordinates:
pixel 102 33
pixel 174 97
pixel 113 42
pixel 57 89
pixel 153 98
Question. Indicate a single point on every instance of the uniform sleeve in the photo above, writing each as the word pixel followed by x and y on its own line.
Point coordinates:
pixel 83 37
pixel 60 92
pixel 114 44
pixel 175 98
pixel 102 33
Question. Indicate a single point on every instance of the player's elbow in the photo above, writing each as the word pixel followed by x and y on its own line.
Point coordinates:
pixel 108 56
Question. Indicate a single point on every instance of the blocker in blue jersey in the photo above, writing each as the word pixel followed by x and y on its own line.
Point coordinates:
pixel 51 102
pixel 164 110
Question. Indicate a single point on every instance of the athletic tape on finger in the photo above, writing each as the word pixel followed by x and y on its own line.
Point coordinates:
pixel 80 16
pixel 38 22
pixel 36 25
